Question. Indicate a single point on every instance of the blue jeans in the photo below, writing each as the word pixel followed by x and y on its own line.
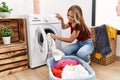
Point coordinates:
pixel 82 49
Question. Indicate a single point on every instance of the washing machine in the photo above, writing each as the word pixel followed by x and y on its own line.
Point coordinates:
pixel 37 28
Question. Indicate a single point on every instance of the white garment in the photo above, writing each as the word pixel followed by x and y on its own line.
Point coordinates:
pixel 73 72
pixel 56 53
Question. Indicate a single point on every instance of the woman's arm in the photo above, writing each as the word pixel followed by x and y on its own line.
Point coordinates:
pixel 69 40
pixel 64 26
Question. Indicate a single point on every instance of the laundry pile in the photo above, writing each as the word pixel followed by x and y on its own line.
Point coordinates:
pixel 102 35
pixel 69 69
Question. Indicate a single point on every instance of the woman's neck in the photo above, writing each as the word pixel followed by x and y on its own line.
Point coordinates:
pixel 73 24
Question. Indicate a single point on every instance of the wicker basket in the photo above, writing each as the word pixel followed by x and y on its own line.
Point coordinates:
pixel 110 57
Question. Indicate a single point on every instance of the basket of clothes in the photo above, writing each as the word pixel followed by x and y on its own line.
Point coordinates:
pixel 105 36
pixel 69 68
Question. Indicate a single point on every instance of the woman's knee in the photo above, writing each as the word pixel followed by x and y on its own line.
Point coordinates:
pixel 70 49
pixel 66 51
pixel 83 55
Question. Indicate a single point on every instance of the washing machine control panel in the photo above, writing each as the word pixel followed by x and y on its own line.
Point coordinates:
pixel 40 19
pixel 35 20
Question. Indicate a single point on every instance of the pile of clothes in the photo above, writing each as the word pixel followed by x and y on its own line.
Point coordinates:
pixel 103 34
pixel 69 69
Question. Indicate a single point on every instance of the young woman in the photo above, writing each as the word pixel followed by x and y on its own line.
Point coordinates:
pixel 83 47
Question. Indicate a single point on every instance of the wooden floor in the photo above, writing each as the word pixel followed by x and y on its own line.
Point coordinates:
pixel 109 72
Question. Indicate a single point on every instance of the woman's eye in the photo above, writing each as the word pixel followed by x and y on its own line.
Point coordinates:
pixel 70 16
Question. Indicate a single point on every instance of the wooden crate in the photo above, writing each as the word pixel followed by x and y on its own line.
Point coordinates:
pixel 17 25
pixel 111 57
pixel 13 57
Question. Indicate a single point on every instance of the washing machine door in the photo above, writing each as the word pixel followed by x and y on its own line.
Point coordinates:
pixel 41 46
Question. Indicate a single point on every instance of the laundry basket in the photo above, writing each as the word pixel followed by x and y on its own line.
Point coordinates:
pixel 51 62
pixel 110 57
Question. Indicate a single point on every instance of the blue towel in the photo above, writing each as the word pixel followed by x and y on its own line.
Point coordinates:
pixel 102 40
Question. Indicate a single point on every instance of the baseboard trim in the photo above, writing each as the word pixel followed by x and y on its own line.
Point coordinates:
pixel 118 58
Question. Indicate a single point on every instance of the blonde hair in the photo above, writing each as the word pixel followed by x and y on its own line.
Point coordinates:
pixel 79 19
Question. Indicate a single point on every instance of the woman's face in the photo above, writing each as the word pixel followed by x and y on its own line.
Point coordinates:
pixel 118 8
pixel 70 17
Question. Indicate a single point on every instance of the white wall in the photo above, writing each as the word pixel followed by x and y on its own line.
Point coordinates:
pixel 61 6
pixel 106 13
pixel 19 6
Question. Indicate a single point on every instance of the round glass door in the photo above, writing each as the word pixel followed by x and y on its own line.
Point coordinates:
pixel 41 46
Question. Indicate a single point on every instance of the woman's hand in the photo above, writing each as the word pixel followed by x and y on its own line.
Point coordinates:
pixel 52 35
pixel 59 16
